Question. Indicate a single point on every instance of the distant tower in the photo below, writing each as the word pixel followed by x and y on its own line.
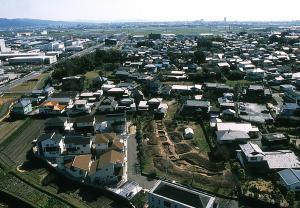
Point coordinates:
pixel 225 20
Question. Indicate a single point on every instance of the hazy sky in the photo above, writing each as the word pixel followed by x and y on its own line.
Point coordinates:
pixel 114 10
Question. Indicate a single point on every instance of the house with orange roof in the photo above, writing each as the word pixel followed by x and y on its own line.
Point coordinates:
pixel 51 107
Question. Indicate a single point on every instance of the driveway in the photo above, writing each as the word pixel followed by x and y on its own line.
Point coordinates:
pixel 133 169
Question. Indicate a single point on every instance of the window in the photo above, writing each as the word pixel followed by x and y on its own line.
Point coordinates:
pixel 253 158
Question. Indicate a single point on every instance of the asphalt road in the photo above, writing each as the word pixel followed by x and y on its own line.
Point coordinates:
pixel 16 82
pixel 132 171
pixel 34 74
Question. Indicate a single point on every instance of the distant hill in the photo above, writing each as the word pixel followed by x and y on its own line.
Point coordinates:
pixel 10 23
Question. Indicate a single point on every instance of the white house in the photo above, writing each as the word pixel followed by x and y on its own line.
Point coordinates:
pixel 73 144
pixel 232 136
pixel 49 145
pixel 250 152
pixel 82 105
pixel 188 133
pixel 279 159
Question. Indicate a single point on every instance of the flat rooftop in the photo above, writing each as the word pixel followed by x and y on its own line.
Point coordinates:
pixel 183 195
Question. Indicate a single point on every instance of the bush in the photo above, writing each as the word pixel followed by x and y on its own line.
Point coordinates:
pixel 236 75
pixel 290 197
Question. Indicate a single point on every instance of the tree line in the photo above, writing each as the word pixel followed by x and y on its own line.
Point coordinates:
pixel 104 59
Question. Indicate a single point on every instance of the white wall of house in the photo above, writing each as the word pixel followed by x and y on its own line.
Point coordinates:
pixel 106 174
pixel 80 149
pixel 50 143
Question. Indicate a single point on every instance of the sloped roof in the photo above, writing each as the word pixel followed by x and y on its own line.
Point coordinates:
pixel 105 138
pixel 77 139
pixel 231 135
pixel 82 162
pixel 290 176
pixel 110 157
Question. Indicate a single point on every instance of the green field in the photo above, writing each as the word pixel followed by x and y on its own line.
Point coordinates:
pixel 147 29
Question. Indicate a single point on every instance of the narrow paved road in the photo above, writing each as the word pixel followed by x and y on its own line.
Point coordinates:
pixel 133 172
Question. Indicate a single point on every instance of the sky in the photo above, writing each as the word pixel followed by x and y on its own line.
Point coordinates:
pixel 151 10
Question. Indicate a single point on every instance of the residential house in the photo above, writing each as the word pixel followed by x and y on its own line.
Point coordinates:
pixel 171 195
pixel 289 112
pixel 107 141
pixel 51 108
pixel 255 74
pixel 108 105
pixel 192 107
pixel 290 178
pixel 22 107
pixel 108 169
pixel 292 96
pixel 274 139
pixel 60 124
pixel 79 166
pixel 143 106
pixel 84 123
pixel 161 111
pixel 82 105
pixel 76 144
pixel 225 137
pixel 154 103
pixel 237 127
pixel 49 145
pixel 252 156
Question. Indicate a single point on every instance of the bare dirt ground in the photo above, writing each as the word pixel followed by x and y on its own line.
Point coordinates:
pixel 174 155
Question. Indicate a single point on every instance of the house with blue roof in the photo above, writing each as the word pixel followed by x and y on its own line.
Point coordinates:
pixel 290 178
pixel 22 107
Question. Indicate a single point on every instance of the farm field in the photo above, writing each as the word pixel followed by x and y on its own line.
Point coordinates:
pixel 13 185
pixel 18 143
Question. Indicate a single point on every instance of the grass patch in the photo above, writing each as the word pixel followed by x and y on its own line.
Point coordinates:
pixel 172 109
pixel 200 139
pixel 26 86
pixel 42 78
pixel 29 194
pixel 233 83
